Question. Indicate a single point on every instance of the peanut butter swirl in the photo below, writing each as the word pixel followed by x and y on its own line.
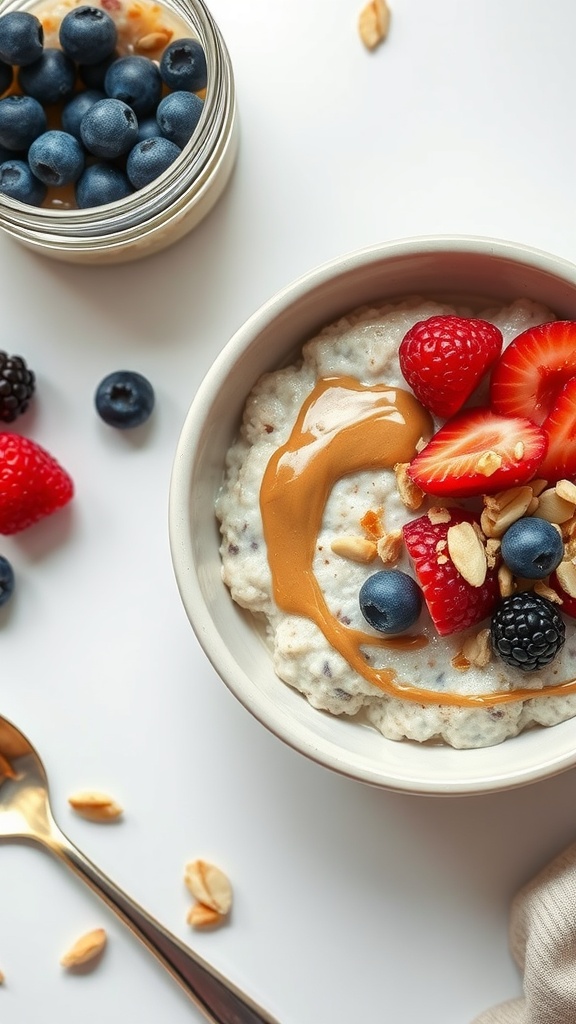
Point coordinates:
pixel 346 427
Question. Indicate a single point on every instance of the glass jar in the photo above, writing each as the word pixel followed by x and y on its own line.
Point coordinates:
pixel 155 216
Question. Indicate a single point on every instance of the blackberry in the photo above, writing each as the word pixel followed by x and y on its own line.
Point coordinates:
pixel 527 631
pixel 17 384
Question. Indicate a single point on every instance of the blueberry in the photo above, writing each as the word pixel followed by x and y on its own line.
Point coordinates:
pixel 532 548
pixel 74 110
pixel 56 157
pixel 390 601
pixel 21 38
pixel 49 79
pixel 88 34
pixel 148 129
pixel 178 115
pixel 93 75
pixel 124 399
pixel 22 119
pixel 6 580
pixel 100 184
pixel 6 76
pixel 136 81
pixel 148 159
pixel 18 182
pixel 109 129
pixel 183 65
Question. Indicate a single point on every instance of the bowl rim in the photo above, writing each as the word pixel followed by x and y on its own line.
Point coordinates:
pixel 323 752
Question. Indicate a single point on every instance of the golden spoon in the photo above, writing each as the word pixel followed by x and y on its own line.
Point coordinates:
pixel 25 815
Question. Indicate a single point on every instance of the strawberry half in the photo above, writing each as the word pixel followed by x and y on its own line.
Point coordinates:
pixel 443 358
pixel 533 370
pixel 453 603
pixel 479 451
pixel 32 483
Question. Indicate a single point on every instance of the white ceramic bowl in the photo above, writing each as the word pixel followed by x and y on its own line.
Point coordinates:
pixel 444 267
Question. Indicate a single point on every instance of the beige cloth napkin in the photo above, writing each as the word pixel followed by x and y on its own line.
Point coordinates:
pixel 543 943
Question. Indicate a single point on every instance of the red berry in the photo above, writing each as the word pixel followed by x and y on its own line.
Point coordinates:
pixel 444 358
pixel 453 603
pixel 32 483
pixel 478 452
pixel 536 377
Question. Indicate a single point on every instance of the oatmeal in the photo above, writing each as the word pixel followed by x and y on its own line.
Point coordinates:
pixel 317 499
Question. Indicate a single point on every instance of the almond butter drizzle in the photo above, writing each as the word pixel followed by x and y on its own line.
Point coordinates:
pixel 345 427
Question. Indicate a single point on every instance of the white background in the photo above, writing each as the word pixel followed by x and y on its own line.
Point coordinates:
pixel 351 904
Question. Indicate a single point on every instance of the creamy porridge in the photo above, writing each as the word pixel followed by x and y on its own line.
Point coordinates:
pixel 299 569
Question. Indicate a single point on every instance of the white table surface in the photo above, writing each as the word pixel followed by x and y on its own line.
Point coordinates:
pixel 351 904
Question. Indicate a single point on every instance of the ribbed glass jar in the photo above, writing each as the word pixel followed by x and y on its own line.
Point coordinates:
pixel 156 216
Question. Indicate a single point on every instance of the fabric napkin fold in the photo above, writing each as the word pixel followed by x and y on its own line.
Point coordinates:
pixel 543 943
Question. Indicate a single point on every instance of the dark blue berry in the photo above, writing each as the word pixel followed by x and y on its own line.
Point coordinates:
pixel 22 119
pixel 6 580
pixel 74 110
pixel 124 399
pixel 49 79
pixel 100 184
pixel 109 129
pixel 148 129
pixel 6 76
pixel 532 548
pixel 527 631
pixel 178 115
pixel 56 158
pixel 93 75
pixel 148 159
pixel 183 65
pixel 136 81
pixel 390 601
pixel 21 38
pixel 18 182
pixel 88 34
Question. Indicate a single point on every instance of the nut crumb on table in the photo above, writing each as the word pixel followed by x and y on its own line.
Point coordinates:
pixel 86 950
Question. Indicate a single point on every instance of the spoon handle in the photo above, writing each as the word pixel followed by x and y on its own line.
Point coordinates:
pixel 219 999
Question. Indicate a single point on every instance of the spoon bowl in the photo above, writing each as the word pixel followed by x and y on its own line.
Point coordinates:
pixel 26 816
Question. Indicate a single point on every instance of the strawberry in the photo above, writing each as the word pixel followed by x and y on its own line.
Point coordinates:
pixel 532 371
pixel 453 603
pixel 32 483
pixel 478 451
pixel 444 358
pixel 536 377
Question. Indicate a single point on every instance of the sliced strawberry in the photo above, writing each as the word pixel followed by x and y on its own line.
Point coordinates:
pixel 443 358
pixel 479 451
pixel 453 603
pixel 560 429
pixel 533 370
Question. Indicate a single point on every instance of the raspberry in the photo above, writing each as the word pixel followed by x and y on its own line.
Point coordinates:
pixel 32 483
pixel 445 357
pixel 17 384
pixel 527 631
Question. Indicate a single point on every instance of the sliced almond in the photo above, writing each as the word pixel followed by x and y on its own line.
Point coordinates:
pixel 504 508
pixel 476 649
pixel 567 490
pixel 566 573
pixel 543 590
pixel 153 41
pixel 95 806
pixel 412 496
pixel 357 549
pixel 389 547
pixel 492 551
pixel 373 23
pixel 467 553
pixel 85 949
pixel 538 486
pixel 553 507
pixel 209 885
pixel 505 581
pixel 202 916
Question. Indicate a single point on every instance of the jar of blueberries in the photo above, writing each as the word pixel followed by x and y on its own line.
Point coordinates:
pixel 118 124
